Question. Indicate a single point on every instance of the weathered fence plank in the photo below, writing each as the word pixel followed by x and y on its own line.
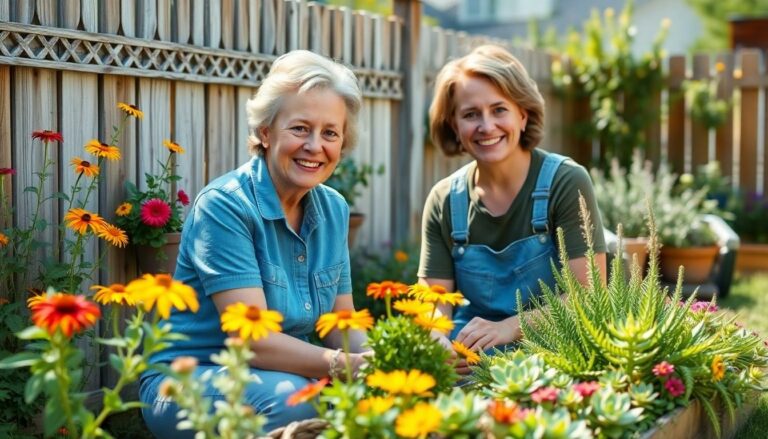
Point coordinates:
pixel 750 94
pixel 242 23
pixel 213 24
pixel 254 25
pixel 128 18
pixel 189 132
pixel 70 13
pixel 48 13
pixel 183 21
pixel 227 24
pixel 89 13
pixel 724 147
pixel 109 16
pixel 146 21
pixel 241 138
pixel 220 129
pixel 164 18
pixel 5 10
pixel 268 27
pixel 6 158
pixel 198 22
pixel 676 121
pixel 699 152
pixel 154 96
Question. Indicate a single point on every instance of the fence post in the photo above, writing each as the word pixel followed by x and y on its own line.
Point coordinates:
pixel 409 117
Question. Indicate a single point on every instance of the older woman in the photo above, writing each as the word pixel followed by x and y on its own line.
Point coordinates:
pixel 269 234
pixel 489 229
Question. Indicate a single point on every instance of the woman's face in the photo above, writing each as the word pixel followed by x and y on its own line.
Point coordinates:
pixel 487 123
pixel 303 144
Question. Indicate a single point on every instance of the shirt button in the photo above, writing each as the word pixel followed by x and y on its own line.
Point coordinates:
pixel 307 306
pixel 461 250
pixel 300 258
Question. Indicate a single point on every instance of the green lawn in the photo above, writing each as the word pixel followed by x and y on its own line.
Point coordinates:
pixel 749 300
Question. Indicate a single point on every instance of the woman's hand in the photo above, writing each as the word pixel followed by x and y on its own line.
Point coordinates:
pixel 480 334
pixel 356 361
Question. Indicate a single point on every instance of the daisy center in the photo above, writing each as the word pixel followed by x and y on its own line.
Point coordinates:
pixel 164 280
pixel 253 314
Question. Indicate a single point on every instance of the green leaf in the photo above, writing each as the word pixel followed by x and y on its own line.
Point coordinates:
pixel 23 359
pixel 33 388
pixel 116 362
pixel 116 342
pixel 53 416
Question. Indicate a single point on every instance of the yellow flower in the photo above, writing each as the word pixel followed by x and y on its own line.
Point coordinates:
pixel 100 149
pixel 124 209
pixel 130 110
pixel 343 320
pixel 414 307
pixel 413 382
pixel 719 67
pixel 80 220
pixel 84 167
pixel 173 146
pixel 376 404
pixel 4 240
pixel 436 294
pixel 163 290
pixel 718 368
pixel 114 293
pixel 419 421
pixel 401 256
pixel 36 297
pixel 440 323
pixel 113 235
pixel 470 356
pixel 250 321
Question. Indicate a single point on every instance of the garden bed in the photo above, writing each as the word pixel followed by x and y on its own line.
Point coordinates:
pixel 691 422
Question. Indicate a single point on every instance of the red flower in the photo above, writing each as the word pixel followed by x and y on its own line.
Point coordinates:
pixel 663 369
pixel 67 312
pixel 675 387
pixel 307 393
pixel 47 136
pixel 545 394
pixel 183 198
pixel 7 171
pixel 155 212
pixel 386 289
pixel 587 388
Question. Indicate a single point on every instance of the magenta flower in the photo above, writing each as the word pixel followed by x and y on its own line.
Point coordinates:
pixel 545 394
pixel 703 306
pixel 7 171
pixel 183 197
pixel 675 387
pixel 587 388
pixel 663 369
pixel 155 212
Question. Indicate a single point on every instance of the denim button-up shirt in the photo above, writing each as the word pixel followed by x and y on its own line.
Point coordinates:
pixel 236 236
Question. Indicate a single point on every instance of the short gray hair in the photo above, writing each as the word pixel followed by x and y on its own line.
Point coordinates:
pixel 297 72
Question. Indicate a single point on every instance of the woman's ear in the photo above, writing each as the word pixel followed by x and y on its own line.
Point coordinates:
pixel 264 136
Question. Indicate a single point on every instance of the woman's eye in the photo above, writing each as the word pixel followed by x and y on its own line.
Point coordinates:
pixel 499 110
pixel 470 115
pixel 300 129
pixel 331 134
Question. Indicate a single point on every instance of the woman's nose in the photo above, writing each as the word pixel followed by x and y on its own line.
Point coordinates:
pixel 484 124
pixel 313 142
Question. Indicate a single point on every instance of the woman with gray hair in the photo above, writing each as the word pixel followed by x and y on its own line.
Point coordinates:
pixel 270 235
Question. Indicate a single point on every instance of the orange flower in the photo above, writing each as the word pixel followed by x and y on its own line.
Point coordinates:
pixel 84 167
pixel 173 146
pixel 114 293
pixel 435 294
pixel 718 368
pixel 471 356
pixel 343 320
pixel 376 404
pixel 386 289
pixel 401 256
pixel 80 220
pixel 165 292
pixel 250 321
pixel 440 323
pixel 130 110
pixel 124 209
pixel 412 382
pixel 505 412
pixel 307 393
pixel 113 235
pixel 36 296
pixel 4 240
pixel 101 149
pixel 67 312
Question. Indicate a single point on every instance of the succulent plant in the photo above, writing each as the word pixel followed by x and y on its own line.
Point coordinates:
pixel 612 413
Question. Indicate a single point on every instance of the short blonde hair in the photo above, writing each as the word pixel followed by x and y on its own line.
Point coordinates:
pixel 297 72
pixel 506 73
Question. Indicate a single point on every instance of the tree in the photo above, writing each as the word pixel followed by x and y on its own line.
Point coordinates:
pixel 715 15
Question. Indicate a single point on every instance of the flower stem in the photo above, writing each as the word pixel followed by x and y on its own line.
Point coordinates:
pixel 62 375
pixel 388 302
pixel 29 233
pixel 345 345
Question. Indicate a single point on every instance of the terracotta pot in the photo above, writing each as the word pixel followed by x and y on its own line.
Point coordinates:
pixel 159 260
pixel 752 258
pixel 355 221
pixel 697 261
pixel 636 247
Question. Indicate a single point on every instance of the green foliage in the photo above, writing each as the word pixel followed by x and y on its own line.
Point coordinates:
pixel 15 414
pixel 349 177
pixel 715 15
pixel 750 211
pixel 620 87
pixel 621 195
pixel 703 104
pixel 371 266
pixel 399 343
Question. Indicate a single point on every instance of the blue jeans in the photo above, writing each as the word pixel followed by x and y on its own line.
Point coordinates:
pixel 267 397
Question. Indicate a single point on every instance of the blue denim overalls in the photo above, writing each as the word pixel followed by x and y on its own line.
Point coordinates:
pixel 490 279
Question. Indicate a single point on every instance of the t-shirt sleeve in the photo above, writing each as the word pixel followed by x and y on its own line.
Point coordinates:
pixel 566 190
pixel 436 261
pixel 222 249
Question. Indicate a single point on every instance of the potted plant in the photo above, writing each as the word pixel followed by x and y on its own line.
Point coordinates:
pixel 348 178
pixel 750 213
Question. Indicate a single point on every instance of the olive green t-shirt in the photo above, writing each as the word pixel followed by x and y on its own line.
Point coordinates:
pixel 498 232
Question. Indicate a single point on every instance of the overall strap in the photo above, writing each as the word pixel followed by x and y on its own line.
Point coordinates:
pixel 459 206
pixel 539 217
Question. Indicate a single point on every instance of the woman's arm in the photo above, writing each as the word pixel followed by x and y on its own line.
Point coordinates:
pixel 281 351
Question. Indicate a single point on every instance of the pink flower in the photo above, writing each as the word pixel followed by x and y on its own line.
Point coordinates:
pixel 675 387
pixel 7 171
pixel 183 198
pixel 703 306
pixel 587 388
pixel 663 369
pixel 155 212
pixel 545 394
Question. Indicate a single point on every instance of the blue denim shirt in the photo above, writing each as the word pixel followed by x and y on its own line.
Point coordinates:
pixel 236 236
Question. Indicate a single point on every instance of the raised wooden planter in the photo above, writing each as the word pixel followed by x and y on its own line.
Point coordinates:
pixel 752 258
pixel 691 422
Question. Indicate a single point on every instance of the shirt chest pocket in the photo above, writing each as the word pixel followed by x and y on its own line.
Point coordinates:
pixel 275 283
pixel 327 285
